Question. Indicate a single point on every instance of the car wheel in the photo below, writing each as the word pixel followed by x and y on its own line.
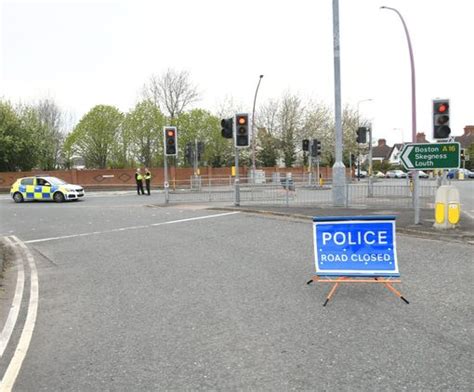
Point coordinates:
pixel 58 197
pixel 18 197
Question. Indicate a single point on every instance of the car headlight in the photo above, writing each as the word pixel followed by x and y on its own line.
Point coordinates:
pixel 70 190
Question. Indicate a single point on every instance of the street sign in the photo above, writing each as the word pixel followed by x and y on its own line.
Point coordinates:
pixel 355 246
pixel 428 156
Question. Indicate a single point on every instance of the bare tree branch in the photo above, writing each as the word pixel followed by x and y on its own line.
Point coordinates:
pixel 172 91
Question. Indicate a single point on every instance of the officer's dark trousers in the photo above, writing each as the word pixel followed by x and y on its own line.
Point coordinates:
pixel 147 182
pixel 140 188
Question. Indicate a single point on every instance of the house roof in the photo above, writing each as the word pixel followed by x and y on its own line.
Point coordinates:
pixel 382 151
pixel 467 138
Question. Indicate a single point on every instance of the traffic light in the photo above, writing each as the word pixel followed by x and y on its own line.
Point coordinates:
pixel 318 147
pixel 188 153
pixel 200 150
pixel 305 145
pixel 171 141
pixel 314 148
pixel 441 129
pixel 242 130
pixel 227 127
pixel 362 135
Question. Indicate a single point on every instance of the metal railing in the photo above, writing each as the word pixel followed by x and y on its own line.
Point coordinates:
pixel 298 190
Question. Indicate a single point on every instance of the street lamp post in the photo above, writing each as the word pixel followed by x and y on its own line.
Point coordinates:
pixel 339 195
pixel 416 184
pixel 253 128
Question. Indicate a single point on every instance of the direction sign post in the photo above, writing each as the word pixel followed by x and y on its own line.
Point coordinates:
pixel 429 156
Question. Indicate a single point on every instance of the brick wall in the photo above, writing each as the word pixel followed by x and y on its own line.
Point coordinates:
pixel 123 178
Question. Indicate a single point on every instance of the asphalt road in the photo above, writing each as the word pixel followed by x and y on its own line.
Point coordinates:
pixel 134 297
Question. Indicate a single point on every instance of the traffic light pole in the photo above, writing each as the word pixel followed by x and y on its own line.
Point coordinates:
pixel 237 179
pixel 166 184
pixel 371 185
pixel 318 183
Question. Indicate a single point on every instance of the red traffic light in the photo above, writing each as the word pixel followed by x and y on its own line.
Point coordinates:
pixel 170 132
pixel 443 107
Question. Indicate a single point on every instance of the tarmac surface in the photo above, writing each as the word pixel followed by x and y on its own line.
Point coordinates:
pixel 405 219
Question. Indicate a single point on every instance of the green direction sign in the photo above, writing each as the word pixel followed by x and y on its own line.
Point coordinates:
pixel 421 156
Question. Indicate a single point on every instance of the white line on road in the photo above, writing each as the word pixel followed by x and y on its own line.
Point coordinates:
pixel 14 367
pixel 130 228
pixel 16 303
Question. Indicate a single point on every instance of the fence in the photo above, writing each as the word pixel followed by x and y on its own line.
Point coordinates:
pixel 299 190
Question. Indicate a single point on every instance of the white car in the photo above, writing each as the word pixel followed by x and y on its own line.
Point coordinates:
pixel 396 174
pixel 379 174
pixel 45 188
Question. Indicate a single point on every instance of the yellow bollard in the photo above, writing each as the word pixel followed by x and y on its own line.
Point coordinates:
pixel 454 213
pixel 447 207
pixel 439 213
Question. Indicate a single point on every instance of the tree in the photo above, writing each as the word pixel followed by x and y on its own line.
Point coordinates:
pixel 95 136
pixel 318 125
pixel 18 130
pixel 144 129
pixel 172 91
pixel 290 120
pixel 50 135
pixel 268 153
pixel 200 125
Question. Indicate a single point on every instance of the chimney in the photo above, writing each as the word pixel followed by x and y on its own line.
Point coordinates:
pixel 469 130
pixel 421 137
pixel 382 142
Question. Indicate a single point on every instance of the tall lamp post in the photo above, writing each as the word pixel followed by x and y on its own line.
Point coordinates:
pixel 253 128
pixel 413 114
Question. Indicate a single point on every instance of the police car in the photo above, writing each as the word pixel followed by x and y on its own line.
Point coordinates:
pixel 44 188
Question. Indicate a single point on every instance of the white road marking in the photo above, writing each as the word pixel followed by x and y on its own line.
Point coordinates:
pixel 196 218
pixel 130 228
pixel 16 303
pixel 14 367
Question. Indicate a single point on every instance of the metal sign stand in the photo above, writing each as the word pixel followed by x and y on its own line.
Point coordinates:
pixel 346 279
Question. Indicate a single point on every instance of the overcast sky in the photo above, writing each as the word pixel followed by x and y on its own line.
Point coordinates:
pixel 84 53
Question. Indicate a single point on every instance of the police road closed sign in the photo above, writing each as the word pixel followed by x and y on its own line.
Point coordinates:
pixel 355 246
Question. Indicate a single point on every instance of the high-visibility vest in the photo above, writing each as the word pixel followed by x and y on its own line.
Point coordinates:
pixel 147 175
pixel 139 177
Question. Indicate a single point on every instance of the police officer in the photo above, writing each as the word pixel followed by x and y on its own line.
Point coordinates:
pixel 147 180
pixel 139 181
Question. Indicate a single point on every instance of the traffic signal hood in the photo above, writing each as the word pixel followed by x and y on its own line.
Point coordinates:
pixel 171 142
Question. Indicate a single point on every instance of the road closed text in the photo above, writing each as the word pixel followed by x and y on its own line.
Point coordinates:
pixel 356 258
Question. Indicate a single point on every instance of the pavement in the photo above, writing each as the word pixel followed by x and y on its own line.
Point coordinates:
pixel 405 219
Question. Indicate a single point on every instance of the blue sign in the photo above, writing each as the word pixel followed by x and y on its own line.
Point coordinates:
pixel 355 246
